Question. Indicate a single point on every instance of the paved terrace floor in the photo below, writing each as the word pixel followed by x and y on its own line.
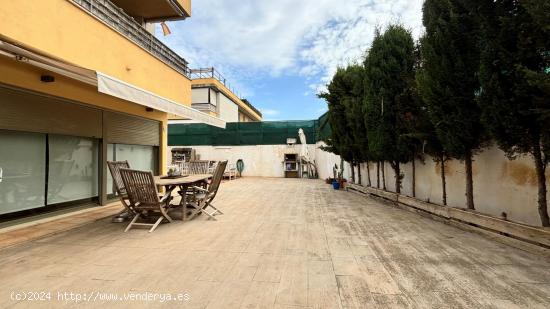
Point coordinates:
pixel 282 243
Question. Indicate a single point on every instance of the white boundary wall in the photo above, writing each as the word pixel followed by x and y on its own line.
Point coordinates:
pixel 500 185
pixel 266 160
pixel 260 160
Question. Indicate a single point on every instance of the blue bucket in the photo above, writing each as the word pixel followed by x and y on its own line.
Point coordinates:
pixel 336 185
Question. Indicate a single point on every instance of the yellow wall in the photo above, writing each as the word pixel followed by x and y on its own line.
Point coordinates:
pixel 186 5
pixel 28 77
pixel 244 118
pixel 62 30
pixel 242 106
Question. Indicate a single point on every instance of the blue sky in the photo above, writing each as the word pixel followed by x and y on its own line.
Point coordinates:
pixel 279 54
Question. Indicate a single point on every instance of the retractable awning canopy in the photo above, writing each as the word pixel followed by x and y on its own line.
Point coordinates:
pixel 120 89
pixel 108 85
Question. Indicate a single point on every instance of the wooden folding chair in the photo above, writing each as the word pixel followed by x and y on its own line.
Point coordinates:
pixel 114 168
pixel 199 167
pixel 212 166
pixel 144 197
pixel 184 167
pixel 202 198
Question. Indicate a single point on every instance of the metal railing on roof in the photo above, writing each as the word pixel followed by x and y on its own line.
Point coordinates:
pixel 213 73
pixel 123 23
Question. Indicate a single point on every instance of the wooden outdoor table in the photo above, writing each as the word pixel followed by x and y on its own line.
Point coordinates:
pixel 183 183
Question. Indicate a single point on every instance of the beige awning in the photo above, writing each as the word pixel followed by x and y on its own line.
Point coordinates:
pixel 120 89
pixel 108 85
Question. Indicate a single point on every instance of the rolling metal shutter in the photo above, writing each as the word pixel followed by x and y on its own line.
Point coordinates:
pixel 32 112
pixel 125 129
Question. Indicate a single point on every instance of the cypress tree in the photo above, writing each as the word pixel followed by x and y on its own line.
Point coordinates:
pixel 449 82
pixel 419 131
pixel 515 81
pixel 353 101
pixel 389 73
pixel 340 141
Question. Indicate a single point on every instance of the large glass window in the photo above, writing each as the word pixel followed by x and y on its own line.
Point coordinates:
pixel 139 157
pixel 73 168
pixel 38 169
pixel 22 171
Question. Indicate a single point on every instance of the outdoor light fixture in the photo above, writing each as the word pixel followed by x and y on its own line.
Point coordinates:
pixel 21 58
pixel 47 79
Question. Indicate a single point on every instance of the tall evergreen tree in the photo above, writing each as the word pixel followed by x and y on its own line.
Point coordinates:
pixel 340 141
pixel 423 131
pixel 353 102
pixel 515 81
pixel 449 82
pixel 417 123
pixel 388 102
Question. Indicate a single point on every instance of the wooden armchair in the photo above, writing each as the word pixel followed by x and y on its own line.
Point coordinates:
pixel 199 167
pixel 120 189
pixel 202 198
pixel 144 197
pixel 184 167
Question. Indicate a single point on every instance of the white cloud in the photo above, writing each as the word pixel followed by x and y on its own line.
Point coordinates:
pixel 247 38
pixel 344 40
pixel 269 112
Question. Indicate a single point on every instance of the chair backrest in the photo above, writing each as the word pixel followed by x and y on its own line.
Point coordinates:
pixel 212 166
pixel 198 167
pixel 114 168
pixel 217 177
pixel 230 166
pixel 184 167
pixel 140 186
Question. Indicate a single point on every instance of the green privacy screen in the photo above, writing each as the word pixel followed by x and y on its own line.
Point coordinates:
pixel 247 133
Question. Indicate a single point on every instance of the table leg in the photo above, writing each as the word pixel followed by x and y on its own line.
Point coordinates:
pixel 184 202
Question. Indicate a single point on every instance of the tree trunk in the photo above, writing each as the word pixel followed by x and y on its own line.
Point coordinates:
pixel 351 165
pixel 359 173
pixel 384 175
pixel 378 174
pixel 368 175
pixel 541 179
pixel 397 170
pixel 443 182
pixel 469 181
pixel 413 178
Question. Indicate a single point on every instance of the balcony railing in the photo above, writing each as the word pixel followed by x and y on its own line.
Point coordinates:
pixel 114 17
pixel 213 73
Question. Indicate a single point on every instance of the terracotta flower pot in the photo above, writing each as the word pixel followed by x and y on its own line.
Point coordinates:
pixel 342 183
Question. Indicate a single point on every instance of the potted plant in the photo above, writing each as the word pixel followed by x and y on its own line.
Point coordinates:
pixel 338 182
pixel 337 175
pixel 342 182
